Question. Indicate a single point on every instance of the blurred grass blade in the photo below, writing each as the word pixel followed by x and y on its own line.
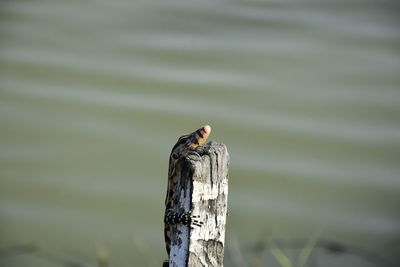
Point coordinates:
pixel 308 248
pixel 102 255
pixel 280 257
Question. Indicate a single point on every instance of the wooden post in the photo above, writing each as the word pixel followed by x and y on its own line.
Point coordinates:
pixel 202 188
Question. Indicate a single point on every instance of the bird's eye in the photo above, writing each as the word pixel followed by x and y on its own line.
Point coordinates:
pixel 174 156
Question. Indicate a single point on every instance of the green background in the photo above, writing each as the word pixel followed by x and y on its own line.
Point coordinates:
pixel 93 95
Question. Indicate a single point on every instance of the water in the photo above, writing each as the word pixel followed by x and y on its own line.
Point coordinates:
pixel 94 94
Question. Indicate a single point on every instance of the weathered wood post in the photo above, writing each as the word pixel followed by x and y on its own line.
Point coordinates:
pixel 202 188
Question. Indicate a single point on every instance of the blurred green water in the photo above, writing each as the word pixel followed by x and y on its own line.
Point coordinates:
pixel 93 94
